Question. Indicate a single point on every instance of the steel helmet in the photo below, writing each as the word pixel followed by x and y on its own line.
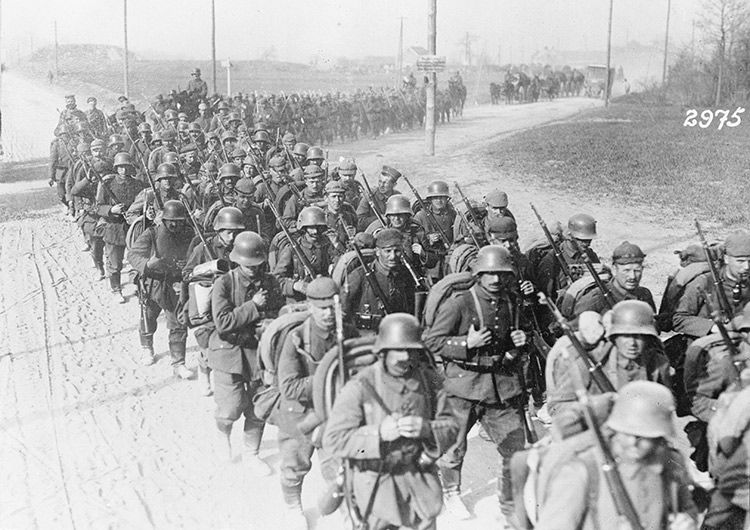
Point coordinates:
pixel 227 135
pixel 493 259
pixel 123 159
pixel 311 216
pixel 582 226
pixel 245 186
pixel 209 167
pixel 97 144
pixel 229 218
pixel 195 127
pixel 277 162
pixel 314 171
pixel 144 127
pixel 196 71
pixel 643 408
pixel 223 105
pixel 503 228
pixel 496 199
pixel 182 115
pixel 168 134
pixel 315 153
pixel 183 126
pixel 202 106
pixel 83 148
pixel 116 139
pixel 166 171
pixel 234 116
pixel 249 249
pixel 229 171
pixel 348 167
pixel 171 158
pixel 398 331
pixel 174 211
pixel 261 136
pixel 238 153
pixel 170 114
pixel 437 188
pixel 397 204
pixel 300 149
pixel 632 317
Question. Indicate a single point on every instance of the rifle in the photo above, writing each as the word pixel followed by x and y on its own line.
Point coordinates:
pixel 157 197
pixel 622 501
pixel 271 194
pixel 594 367
pixel 293 243
pixel 724 306
pixel 529 431
pixel 471 232
pixel 372 280
pixel 558 255
pixel 718 319
pixel 609 299
pixel 371 202
pixel 197 227
pixel 469 209
pixel 430 214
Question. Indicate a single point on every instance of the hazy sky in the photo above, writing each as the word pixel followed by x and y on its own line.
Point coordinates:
pixel 300 29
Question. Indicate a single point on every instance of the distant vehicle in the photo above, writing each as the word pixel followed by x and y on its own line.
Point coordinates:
pixel 596 80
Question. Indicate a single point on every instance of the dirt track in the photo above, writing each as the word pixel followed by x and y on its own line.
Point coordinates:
pixel 91 439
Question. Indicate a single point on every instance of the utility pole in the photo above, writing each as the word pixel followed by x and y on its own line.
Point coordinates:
pixel 57 63
pixel 429 118
pixel 607 87
pixel 213 43
pixel 666 46
pixel 126 84
pixel 400 59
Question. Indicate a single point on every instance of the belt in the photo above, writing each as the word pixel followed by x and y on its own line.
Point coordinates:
pixel 384 467
pixel 484 364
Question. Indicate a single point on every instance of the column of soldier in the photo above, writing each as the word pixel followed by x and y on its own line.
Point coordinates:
pixel 379 337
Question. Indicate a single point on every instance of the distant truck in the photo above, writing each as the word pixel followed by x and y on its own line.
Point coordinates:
pixel 596 80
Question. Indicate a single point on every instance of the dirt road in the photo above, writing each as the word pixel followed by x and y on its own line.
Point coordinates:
pixel 91 439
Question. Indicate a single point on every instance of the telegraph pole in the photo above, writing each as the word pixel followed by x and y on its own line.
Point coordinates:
pixel 400 59
pixel 429 118
pixel 125 42
pixel 608 88
pixel 666 46
pixel 57 64
pixel 213 43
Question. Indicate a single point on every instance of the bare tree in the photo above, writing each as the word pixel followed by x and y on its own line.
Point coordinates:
pixel 721 22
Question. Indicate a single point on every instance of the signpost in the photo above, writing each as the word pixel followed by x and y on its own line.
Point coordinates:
pixel 431 63
pixel 228 65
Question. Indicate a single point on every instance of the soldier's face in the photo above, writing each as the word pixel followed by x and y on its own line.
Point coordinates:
pixel 630 346
pixel 289 145
pixel 335 200
pixel 398 220
pixel 585 244
pixel 738 266
pixel 92 105
pixel 96 152
pixel 253 271
pixel 633 448
pixel 70 103
pixel 169 144
pixel 628 276
pixel 496 282
pixel 400 363
pixel 238 160
pixel 165 184
pixel 439 203
pixel 173 226
pixel 228 183
pixel 389 257
pixel 243 201
pixel 227 236
pixel 195 135
pixel 501 241
pixel 496 211
pixel 385 184
pixel 315 184
pixel 190 157
pixel 313 232
pixel 324 317
pixel 229 145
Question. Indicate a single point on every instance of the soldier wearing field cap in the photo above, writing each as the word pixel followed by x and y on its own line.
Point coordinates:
pixel 241 299
pixel 340 216
pixel 625 284
pixel 312 195
pixel 253 215
pixel 353 190
pixel 95 117
pixel 385 189
pixel 581 230
pixel 475 334
pixel 691 317
pixel 628 349
pixel 168 139
pixel 361 302
pixel 300 355
pixel 574 492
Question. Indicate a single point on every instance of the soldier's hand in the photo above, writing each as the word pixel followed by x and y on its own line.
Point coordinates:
pixel 682 521
pixel 527 288
pixel 351 231
pixel 518 337
pixel 150 213
pixel 413 427
pixel 117 209
pixel 476 338
pixel 433 238
pixel 260 298
pixel 155 264
pixel 300 286
pixel 388 429
pixel 417 249
pixel 107 178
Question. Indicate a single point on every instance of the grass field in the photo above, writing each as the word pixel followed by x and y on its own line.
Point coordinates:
pixel 640 154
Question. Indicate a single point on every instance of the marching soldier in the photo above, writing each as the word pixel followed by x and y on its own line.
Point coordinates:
pixel 204 117
pixel 576 493
pixel 353 190
pixel 367 303
pixel 442 213
pixel 146 204
pixel 301 352
pixel 341 219
pixel 61 150
pixel 312 195
pixel 311 240
pixel 159 255
pixel 631 351
pixel 300 153
pixel 386 187
pixel 219 121
pixel 168 139
pixel 113 198
pixel 85 189
pixel 417 249
pixel 241 299
pixel 627 271
pixel 253 216
pixel 495 207
pixel 95 117
pixel 475 335
pixel 392 421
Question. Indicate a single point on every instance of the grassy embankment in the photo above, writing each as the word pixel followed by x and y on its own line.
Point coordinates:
pixel 639 154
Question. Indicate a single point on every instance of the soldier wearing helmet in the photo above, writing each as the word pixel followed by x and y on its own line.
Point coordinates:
pixel 240 301
pixel 417 249
pixel 169 138
pixel 439 220
pixel 312 241
pixel 114 196
pixel 362 304
pixel 299 152
pixel 312 195
pixel 301 352
pixel 115 144
pixel 581 230
pixel 478 334
pixel 197 87
pixel 253 215
pixel 214 151
pixel 159 255
pixel 146 204
pixel 220 121
pixel 411 437
pixel 228 176
pixel 386 187
pixel 141 148
pixel 641 427
pixel 315 156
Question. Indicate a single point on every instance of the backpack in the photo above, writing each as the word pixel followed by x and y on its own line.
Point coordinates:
pixel 452 284
pixel 266 400
pixel 675 288
pixel 347 264
pixel 570 297
pixel 462 257
pixel 278 243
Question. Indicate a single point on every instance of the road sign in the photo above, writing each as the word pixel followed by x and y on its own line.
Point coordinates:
pixel 431 63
